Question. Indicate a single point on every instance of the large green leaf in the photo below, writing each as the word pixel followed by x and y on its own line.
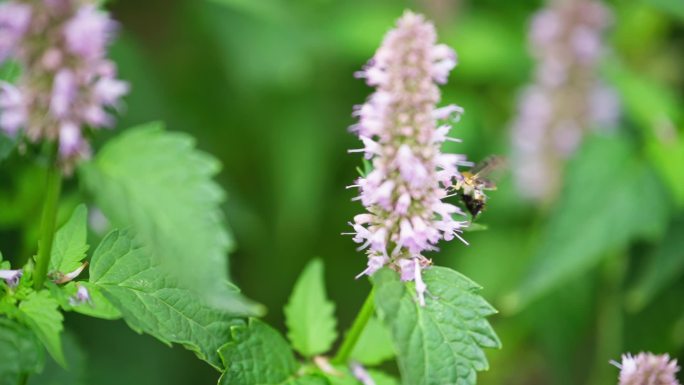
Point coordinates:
pixel 70 247
pixel 154 302
pixel 610 198
pixel 98 306
pixel 157 183
pixel 442 342
pixel 41 312
pixel 665 266
pixel 20 352
pixel 257 355
pixel 374 345
pixel 73 374
pixel 309 314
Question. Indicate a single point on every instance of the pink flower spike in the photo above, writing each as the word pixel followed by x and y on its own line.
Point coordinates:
pixel 375 263
pixel 647 368
pixel 12 109
pixel 88 32
pixel 14 20
pixel 398 125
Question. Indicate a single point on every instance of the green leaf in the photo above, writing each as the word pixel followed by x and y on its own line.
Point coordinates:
pixel 672 7
pixel 20 352
pixel 74 374
pixel 382 378
pixel 7 145
pixel 257 355
pixel 345 377
pixel 157 183
pixel 154 302
pixel 610 198
pixel 667 156
pixel 662 269
pixel 98 307
pixel 70 247
pixel 311 379
pixel 10 71
pixel 41 312
pixel 309 315
pixel 375 344
pixel 442 342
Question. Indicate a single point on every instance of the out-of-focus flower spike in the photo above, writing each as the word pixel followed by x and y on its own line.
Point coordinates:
pixel 566 99
pixel 73 83
pixel 647 369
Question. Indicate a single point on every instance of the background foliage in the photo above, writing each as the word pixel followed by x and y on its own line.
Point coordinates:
pixel 266 86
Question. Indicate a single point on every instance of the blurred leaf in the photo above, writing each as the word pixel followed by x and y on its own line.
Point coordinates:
pixel 160 185
pixel 98 307
pixel 69 246
pixel 381 378
pixel 442 342
pixel 257 354
pixel 309 314
pixel 311 379
pixel 20 352
pixel 374 345
pixel 672 7
pixel 489 49
pixel 266 9
pixel 609 199
pixel 9 71
pixel 667 156
pixel 663 268
pixel 647 102
pixel 41 313
pixel 7 145
pixel 153 302
pixel 74 374
pixel 21 199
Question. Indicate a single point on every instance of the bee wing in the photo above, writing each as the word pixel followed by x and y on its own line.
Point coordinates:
pixel 487 184
pixel 488 165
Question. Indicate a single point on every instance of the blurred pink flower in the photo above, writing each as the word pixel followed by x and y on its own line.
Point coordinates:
pixel 647 369
pixel 566 99
pixel 73 84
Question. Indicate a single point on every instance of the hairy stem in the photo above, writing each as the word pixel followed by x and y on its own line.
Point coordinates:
pixel 47 225
pixel 352 337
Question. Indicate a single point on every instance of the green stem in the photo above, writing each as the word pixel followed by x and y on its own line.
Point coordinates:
pixel 23 379
pixel 47 225
pixel 354 333
pixel 610 319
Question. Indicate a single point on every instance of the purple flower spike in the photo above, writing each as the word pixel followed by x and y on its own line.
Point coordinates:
pixel 14 20
pixel 88 32
pixel 647 368
pixel 567 98
pixel 402 130
pixel 11 277
pixel 67 84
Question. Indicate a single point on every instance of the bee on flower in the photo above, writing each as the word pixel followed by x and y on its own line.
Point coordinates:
pixel 402 129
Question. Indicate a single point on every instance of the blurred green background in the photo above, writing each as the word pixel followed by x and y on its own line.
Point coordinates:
pixel 267 87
